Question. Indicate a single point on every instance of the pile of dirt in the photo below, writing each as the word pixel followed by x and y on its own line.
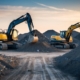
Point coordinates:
pixel 41 46
pixel 37 47
pixel 41 37
pixel 21 36
pixel 7 63
pixel 48 33
pixel 74 34
pixel 78 36
pixel 70 62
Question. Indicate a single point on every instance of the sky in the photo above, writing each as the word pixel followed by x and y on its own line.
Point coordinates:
pixel 46 14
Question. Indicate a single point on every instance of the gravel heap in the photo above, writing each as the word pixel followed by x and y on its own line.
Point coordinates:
pixel 23 40
pixel 21 36
pixel 41 36
pixel 74 34
pixel 78 36
pixel 41 46
pixel 7 63
pixel 70 62
pixel 48 33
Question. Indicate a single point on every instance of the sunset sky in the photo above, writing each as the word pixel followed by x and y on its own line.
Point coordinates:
pixel 46 14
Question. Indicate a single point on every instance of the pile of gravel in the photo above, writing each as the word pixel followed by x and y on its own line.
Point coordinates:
pixel 37 47
pixel 48 33
pixel 41 46
pixel 40 36
pixel 74 34
pixel 78 36
pixel 70 62
pixel 21 36
pixel 23 39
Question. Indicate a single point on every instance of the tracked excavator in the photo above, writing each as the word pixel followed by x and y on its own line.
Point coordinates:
pixel 65 39
pixel 8 40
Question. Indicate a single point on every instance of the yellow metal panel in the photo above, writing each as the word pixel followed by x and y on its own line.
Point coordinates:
pixel 71 39
pixel 58 38
pixel 3 37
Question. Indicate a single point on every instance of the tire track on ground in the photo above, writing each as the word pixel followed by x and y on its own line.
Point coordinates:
pixel 28 75
pixel 18 73
pixel 49 71
pixel 37 70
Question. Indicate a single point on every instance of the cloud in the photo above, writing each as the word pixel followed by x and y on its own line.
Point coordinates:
pixel 54 8
pixel 47 17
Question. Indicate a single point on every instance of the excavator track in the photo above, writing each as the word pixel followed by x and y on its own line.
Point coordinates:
pixel 3 46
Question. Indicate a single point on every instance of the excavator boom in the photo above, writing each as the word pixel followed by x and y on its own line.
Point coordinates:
pixel 70 30
pixel 19 20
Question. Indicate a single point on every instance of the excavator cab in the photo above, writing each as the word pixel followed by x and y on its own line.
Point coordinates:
pixel 14 34
pixel 62 34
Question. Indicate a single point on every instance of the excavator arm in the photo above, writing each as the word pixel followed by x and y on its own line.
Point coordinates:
pixel 70 30
pixel 67 34
pixel 19 20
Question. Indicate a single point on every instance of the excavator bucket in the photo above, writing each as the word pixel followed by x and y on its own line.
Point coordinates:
pixel 32 39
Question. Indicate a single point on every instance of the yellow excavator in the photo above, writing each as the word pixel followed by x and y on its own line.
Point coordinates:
pixel 65 39
pixel 8 40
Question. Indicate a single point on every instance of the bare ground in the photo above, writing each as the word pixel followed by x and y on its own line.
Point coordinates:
pixel 36 66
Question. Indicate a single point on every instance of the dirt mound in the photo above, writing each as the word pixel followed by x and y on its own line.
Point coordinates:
pixel 41 46
pixel 21 37
pixel 48 33
pixel 78 36
pixel 75 40
pixel 37 47
pixel 74 33
pixel 70 62
pixel 41 36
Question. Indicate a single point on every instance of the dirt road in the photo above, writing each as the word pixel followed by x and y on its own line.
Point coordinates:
pixel 36 66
